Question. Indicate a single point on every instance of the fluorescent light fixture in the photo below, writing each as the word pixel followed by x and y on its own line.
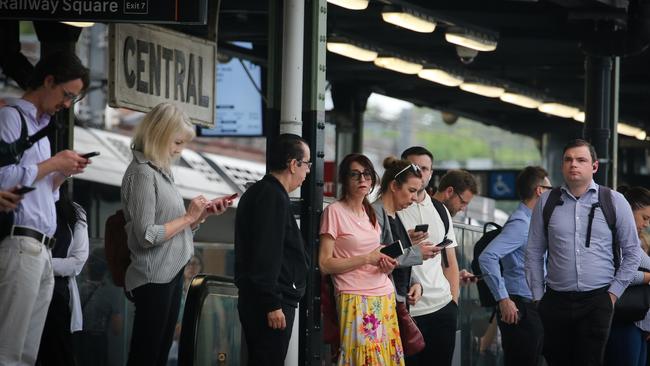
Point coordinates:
pixel 351 51
pixel 520 100
pixel 466 38
pixel 558 109
pixel 350 4
pixel 80 24
pixel 440 77
pixel 408 21
pixel 580 117
pixel 482 89
pixel 627 130
pixel 399 65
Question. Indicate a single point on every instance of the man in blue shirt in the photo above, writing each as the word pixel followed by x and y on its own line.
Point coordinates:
pixel 26 279
pixel 518 320
pixel 581 282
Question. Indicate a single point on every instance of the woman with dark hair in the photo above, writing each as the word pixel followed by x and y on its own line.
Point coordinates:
pixel 627 341
pixel 349 251
pixel 68 258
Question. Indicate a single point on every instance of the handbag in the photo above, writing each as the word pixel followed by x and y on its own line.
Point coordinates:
pixel 633 305
pixel 412 339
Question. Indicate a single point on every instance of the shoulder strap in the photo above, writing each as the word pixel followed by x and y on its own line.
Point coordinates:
pixel 607 205
pixel 10 151
pixel 442 212
pixel 552 201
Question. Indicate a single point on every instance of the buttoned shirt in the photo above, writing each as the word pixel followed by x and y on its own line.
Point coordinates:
pixel 509 247
pixel 571 265
pixel 36 210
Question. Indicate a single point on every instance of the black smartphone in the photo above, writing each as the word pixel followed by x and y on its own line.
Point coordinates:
pixel 444 243
pixel 22 190
pixel 393 250
pixel 90 155
pixel 233 196
pixel 423 228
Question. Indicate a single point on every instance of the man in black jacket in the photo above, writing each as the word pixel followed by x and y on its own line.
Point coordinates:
pixel 270 260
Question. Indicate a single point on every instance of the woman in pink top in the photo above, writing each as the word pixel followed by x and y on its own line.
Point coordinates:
pixel 349 251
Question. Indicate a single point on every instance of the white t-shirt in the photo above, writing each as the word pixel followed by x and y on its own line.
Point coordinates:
pixel 436 290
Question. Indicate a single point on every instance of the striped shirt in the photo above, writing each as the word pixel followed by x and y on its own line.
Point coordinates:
pixel 150 199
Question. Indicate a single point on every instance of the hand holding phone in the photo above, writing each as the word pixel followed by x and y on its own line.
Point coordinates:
pixel 23 189
pixel 393 250
pixel 90 155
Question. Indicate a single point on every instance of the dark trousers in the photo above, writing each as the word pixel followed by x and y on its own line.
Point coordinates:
pixel 522 342
pixel 626 346
pixel 576 326
pixel 56 340
pixel 439 332
pixel 265 346
pixel 156 313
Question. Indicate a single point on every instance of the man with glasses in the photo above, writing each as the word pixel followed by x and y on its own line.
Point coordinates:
pixel 437 310
pixel 270 260
pixel 26 280
pixel 521 328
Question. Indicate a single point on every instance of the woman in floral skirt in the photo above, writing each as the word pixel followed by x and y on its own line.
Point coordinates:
pixel 349 251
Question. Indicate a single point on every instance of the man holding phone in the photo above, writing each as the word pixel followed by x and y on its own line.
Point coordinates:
pixel 521 328
pixel 26 280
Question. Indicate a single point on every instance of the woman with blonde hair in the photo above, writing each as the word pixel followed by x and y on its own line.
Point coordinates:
pixel 350 252
pixel 160 231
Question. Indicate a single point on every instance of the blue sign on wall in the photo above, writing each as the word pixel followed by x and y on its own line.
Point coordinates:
pixel 502 185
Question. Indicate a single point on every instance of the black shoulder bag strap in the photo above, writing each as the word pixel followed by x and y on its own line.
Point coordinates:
pixel 609 211
pixel 552 201
pixel 442 212
pixel 10 152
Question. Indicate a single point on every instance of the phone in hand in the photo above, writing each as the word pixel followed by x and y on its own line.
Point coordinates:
pixel 90 155
pixel 233 196
pixel 393 250
pixel 22 190
pixel 422 228
pixel 445 243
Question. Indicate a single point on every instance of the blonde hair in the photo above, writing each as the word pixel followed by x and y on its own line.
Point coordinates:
pixel 157 130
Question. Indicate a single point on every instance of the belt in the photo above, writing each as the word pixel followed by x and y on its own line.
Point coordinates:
pixel 521 299
pixel 34 234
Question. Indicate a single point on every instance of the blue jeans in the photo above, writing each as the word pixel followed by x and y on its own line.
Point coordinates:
pixel 626 346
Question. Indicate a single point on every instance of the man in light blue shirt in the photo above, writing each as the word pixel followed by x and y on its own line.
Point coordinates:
pixel 26 279
pixel 518 320
pixel 582 283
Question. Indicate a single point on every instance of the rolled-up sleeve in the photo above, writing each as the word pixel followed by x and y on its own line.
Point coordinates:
pixel 535 250
pixel 141 204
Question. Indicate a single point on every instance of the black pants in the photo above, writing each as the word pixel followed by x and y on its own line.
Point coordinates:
pixel 576 326
pixel 439 332
pixel 56 341
pixel 265 346
pixel 522 342
pixel 156 313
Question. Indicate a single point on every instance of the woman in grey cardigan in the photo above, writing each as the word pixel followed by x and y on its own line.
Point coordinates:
pixel 160 231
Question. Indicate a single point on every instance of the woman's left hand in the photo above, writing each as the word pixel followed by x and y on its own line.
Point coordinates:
pixel 414 294
pixel 387 264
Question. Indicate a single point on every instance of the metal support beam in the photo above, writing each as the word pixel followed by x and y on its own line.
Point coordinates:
pixel 612 179
pixel 598 93
pixel 292 66
pixel 349 105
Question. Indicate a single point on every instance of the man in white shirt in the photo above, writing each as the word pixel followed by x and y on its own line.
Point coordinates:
pixel 437 311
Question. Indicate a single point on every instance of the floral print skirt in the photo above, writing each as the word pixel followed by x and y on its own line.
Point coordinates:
pixel 369 331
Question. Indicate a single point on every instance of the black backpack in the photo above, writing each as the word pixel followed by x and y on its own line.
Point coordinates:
pixel 442 212
pixel 484 295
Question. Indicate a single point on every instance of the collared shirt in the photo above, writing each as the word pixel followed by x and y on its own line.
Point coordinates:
pixel 509 247
pixel 36 210
pixel 436 290
pixel 150 199
pixel 572 266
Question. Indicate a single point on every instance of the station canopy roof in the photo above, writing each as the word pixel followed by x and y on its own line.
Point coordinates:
pixel 540 54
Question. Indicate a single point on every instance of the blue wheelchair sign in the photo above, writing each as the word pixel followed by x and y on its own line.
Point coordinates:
pixel 502 185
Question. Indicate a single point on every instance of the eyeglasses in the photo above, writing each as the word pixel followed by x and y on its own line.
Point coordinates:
pixel 356 175
pixel 414 167
pixel 546 187
pixel 308 163
pixel 461 199
pixel 73 98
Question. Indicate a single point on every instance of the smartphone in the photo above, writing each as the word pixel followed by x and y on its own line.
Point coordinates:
pixel 90 155
pixel 233 196
pixel 22 190
pixel 423 228
pixel 444 243
pixel 393 250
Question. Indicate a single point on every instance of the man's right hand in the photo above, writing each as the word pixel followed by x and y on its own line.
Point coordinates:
pixel 68 162
pixel 429 250
pixel 417 236
pixel 276 320
pixel 509 311
pixel 9 201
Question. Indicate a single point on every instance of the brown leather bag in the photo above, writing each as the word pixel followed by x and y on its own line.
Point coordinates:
pixel 412 339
